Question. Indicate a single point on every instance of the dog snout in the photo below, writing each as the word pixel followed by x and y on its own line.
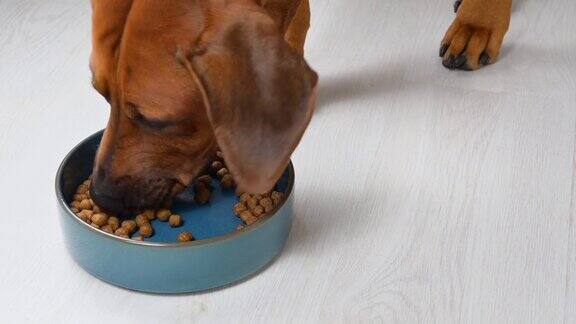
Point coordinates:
pixel 130 194
pixel 105 194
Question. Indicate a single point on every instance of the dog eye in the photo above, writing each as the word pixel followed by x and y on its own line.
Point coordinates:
pixel 150 123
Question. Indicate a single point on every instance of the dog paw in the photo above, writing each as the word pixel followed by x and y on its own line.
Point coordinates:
pixel 475 37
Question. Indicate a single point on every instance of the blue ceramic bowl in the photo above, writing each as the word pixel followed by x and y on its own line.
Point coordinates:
pixel 221 255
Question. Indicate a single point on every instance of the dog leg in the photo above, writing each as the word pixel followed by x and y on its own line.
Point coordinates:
pixel 475 37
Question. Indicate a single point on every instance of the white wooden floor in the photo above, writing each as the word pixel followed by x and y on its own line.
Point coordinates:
pixel 424 195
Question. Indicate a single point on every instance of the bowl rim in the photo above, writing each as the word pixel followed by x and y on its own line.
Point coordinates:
pixel 236 233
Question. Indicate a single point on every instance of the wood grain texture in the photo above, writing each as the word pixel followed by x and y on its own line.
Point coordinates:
pixel 423 195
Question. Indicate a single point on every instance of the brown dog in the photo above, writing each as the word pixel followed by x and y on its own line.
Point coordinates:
pixel 182 76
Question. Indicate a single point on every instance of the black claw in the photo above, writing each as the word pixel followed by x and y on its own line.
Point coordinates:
pixel 449 62
pixel 459 61
pixel 484 58
pixel 443 49
pixel 457 5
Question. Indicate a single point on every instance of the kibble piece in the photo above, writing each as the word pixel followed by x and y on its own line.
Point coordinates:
pixel 246 215
pixel 74 210
pixel 79 197
pixel 245 196
pixel 100 219
pixel 150 214
pixel 96 209
pixel 138 238
pixel 240 226
pixel 122 231
pixel 252 203
pixel 129 225
pixel 163 214
pixel 258 211
pixel 267 194
pixel 146 230
pixel 85 215
pixel 75 204
pixel 227 181
pixel 113 222
pixel 250 220
pixel 82 216
pixel 95 225
pixel 202 195
pixel 205 178
pixel 219 155
pixel 220 173
pixel 82 189
pixel 85 204
pixel 141 220
pixel 175 220
pixel 266 202
pixel 185 237
pixel 107 229
pixel 216 166
pixel 276 197
pixel 268 208
pixel 239 208
pixel 257 197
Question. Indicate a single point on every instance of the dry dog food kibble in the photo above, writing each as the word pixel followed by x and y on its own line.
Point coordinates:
pixel 246 215
pixel 276 197
pixel 185 237
pixel 227 181
pixel 107 228
pixel 150 214
pixel 163 215
pixel 244 197
pixel 202 193
pixel 252 203
pixel 268 208
pixel 222 172
pixel 129 225
pixel 266 202
pixel 85 204
pixel 249 208
pixel 99 219
pixel 113 222
pixel 122 231
pixel 239 208
pixel 175 220
pixel 258 211
pixel 146 230
pixel 250 220
pixel 216 166
pixel 141 220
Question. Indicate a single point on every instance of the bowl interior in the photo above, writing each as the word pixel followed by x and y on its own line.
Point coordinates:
pixel 213 219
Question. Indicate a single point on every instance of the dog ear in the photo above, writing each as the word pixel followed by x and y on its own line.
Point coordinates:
pixel 108 20
pixel 259 95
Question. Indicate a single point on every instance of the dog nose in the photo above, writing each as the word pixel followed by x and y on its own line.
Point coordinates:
pixel 108 204
pixel 105 195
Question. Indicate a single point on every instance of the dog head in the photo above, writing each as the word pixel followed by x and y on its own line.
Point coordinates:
pixel 182 77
